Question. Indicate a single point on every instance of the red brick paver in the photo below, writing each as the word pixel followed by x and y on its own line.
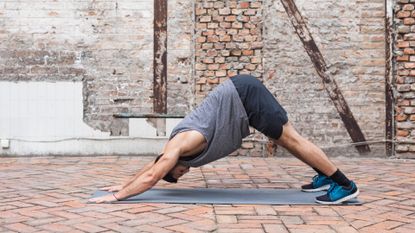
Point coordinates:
pixel 49 194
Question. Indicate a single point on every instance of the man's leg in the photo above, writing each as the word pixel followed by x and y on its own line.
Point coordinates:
pixel 304 150
pixel 343 190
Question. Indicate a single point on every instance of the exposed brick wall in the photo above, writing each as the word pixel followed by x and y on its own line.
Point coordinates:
pixel 106 44
pixel 25 54
pixel 109 46
pixel 180 56
pixel 405 77
pixel 228 42
pixel 350 35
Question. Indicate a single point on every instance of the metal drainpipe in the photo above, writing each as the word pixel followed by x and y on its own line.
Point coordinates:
pixel 389 78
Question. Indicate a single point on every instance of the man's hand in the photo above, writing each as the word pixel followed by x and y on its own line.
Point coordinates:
pixel 114 188
pixel 104 199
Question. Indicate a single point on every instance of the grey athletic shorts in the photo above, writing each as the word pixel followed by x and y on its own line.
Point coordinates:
pixel 264 112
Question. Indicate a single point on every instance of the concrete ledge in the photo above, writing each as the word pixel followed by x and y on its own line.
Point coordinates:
pixel 84 147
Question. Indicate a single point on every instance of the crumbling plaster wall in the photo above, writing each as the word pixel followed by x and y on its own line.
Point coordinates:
pixel 108 45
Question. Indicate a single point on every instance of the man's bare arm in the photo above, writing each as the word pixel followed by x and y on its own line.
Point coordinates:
pixel 150 177
pixel 185 143
pixel 144 169
pixel 116 188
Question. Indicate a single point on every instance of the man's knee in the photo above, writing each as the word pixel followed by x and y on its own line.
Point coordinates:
pixel 289 137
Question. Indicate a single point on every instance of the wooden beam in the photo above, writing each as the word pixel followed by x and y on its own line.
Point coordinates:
pixel 160 57
pixel 321 67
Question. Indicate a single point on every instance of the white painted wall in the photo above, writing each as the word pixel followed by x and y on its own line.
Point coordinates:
pixel 41 118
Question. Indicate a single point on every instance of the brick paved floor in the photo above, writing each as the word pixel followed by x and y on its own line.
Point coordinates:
pixel 50 194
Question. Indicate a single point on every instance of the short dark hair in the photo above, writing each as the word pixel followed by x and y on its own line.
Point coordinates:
pixel 168 177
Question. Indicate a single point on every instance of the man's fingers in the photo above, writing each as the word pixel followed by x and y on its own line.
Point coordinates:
pixel 107 199
pixel 95 200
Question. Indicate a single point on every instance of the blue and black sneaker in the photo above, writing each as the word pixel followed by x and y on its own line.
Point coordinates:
pixel 338 194
pixel 320 183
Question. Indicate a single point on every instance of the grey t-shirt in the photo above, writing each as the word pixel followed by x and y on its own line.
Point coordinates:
pixel 222 120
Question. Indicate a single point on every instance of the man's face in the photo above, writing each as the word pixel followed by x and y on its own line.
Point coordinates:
pixel 179 170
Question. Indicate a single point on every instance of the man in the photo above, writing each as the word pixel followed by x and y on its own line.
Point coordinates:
pixel 216 128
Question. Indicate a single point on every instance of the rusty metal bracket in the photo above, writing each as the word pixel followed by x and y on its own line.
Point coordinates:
pixel 321 67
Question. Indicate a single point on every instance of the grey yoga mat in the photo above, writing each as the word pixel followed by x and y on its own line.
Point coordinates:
pixel 226 196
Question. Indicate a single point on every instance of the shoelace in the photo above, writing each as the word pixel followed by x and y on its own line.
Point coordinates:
pixel 315 178
pixel 332 187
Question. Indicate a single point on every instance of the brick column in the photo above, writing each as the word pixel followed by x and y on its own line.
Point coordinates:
pixel 405 77
pixel 228 41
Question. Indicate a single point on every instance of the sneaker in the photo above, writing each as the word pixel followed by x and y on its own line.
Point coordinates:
pixel 319 183
pixel 338 194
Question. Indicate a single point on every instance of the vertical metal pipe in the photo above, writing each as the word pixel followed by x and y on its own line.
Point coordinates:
pixel 160 56
pixel 389 77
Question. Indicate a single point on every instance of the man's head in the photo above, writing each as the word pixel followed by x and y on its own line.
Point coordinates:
pixel 174 174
